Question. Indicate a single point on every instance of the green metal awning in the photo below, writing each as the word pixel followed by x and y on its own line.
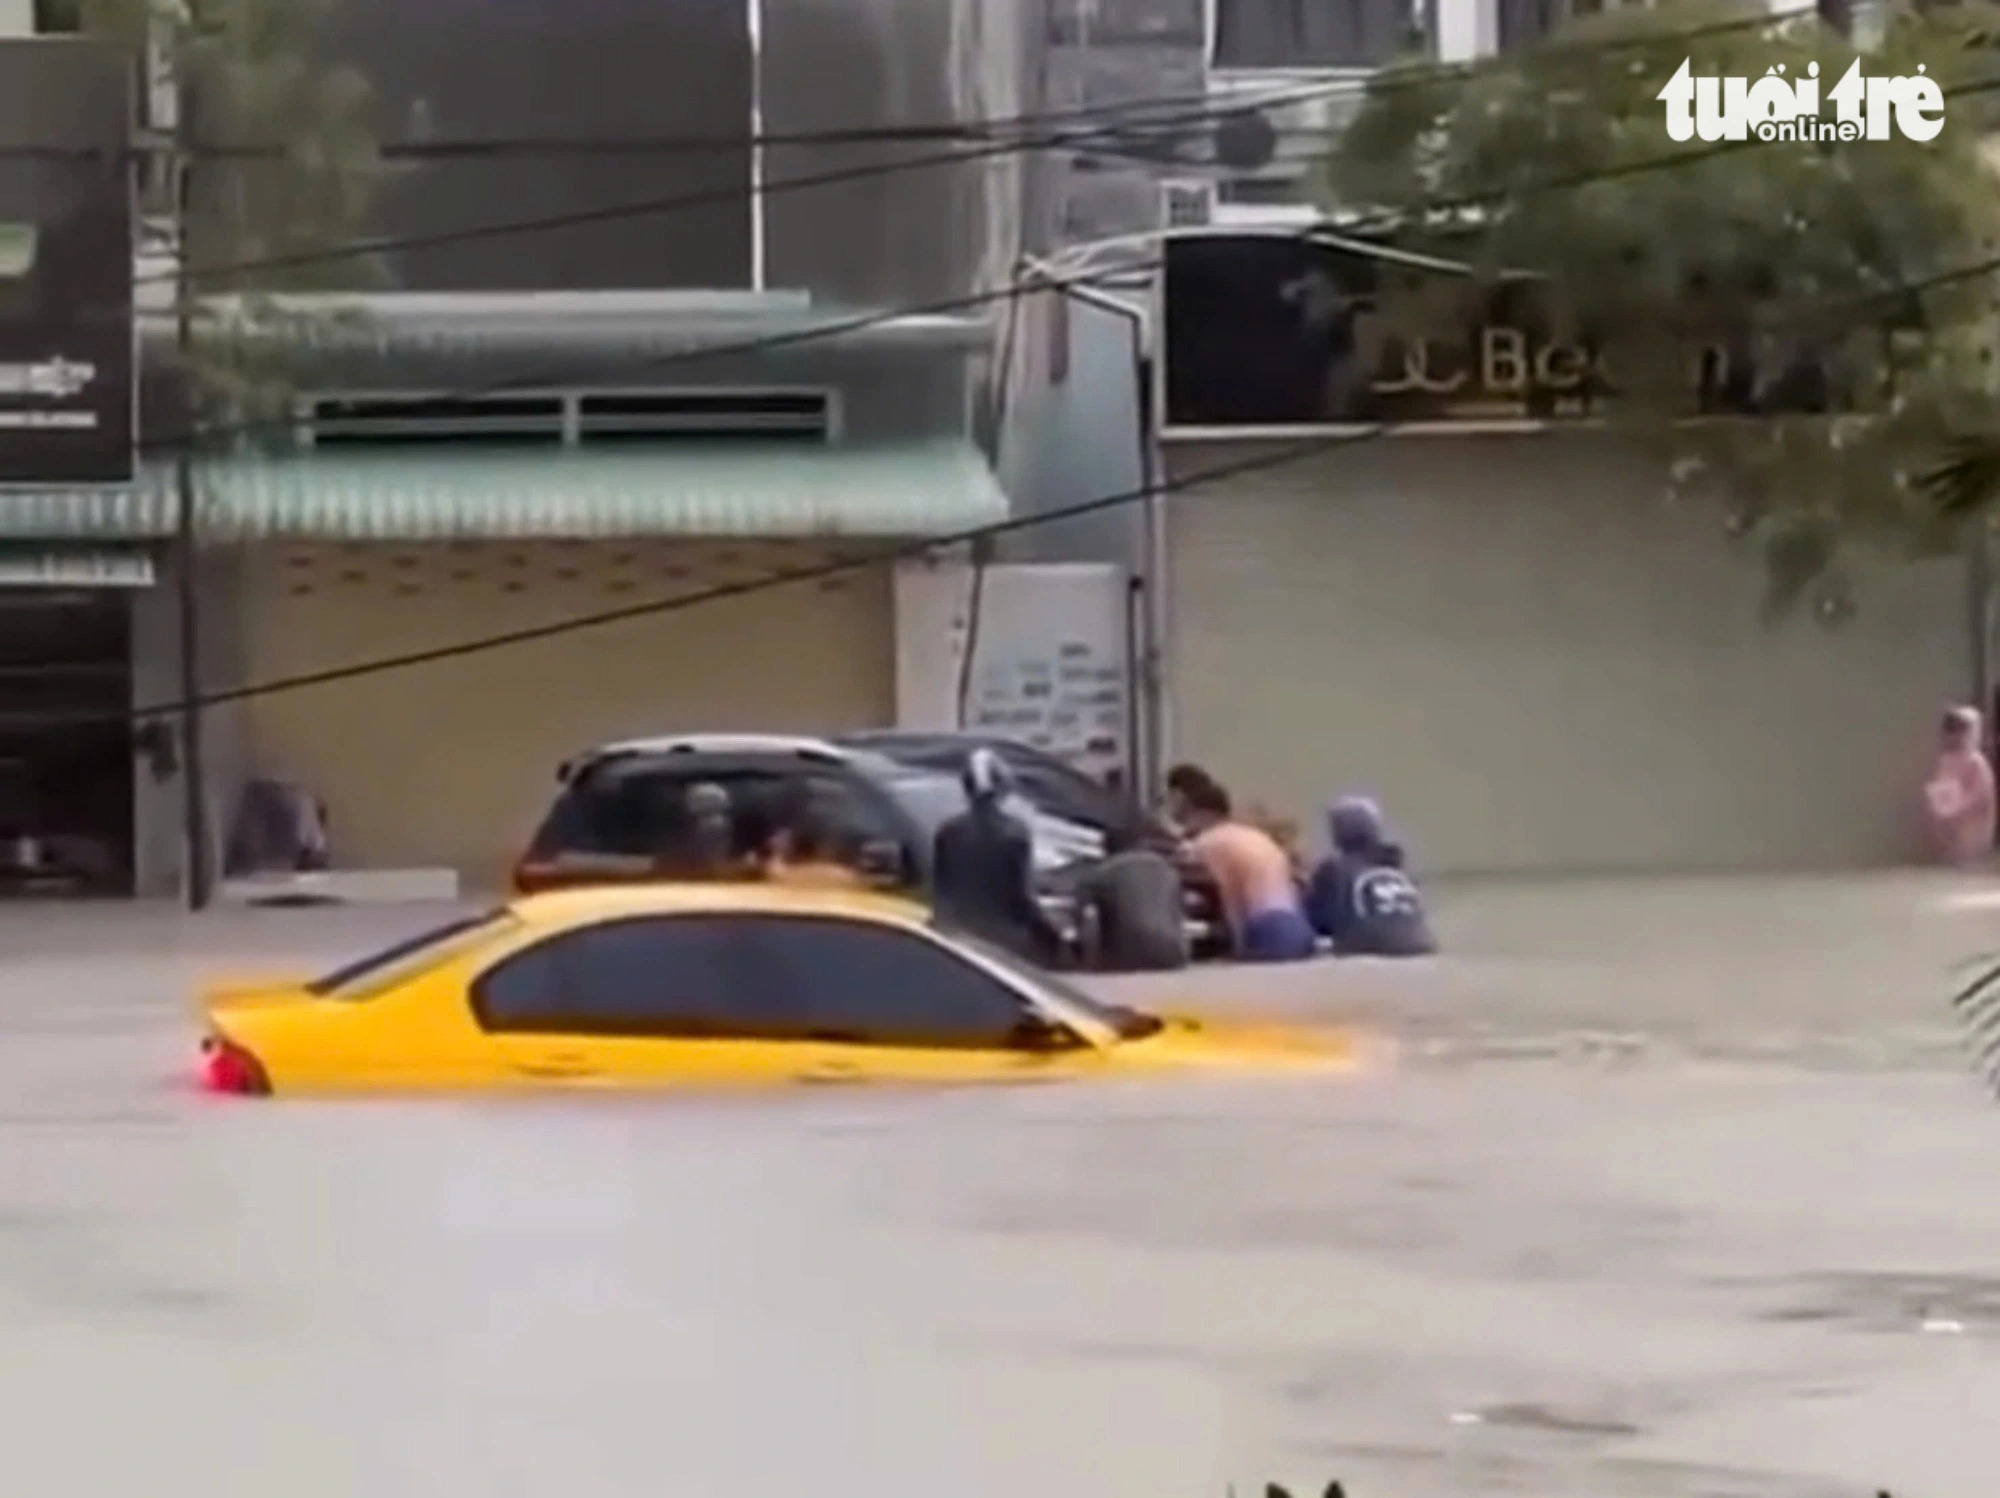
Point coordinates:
pixel 447 493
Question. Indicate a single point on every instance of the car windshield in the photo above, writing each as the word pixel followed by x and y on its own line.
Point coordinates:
pixel 1126 1024
pixel 934 799
pixel 416 954
pixel 931 800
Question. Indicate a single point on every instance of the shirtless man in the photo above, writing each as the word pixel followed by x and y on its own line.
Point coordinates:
pixel 1260 899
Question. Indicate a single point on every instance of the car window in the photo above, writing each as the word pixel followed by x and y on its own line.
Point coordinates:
pixel 615 812
pixel 665 975
pixel 866 984
pixel 641 811
pixel 381 970
pixel 1066 794
pixel 857 818
pixel 751 977
pixel 1126 1023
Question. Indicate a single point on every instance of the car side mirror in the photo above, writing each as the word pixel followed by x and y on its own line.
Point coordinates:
pixel 1039 1033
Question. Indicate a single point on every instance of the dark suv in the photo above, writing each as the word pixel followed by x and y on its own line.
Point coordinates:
pixel 622 811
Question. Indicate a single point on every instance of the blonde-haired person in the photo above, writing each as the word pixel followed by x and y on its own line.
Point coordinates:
pixel 1959 799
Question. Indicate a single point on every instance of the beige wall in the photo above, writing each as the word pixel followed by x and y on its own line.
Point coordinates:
pixel 1538 661
pixel 453 762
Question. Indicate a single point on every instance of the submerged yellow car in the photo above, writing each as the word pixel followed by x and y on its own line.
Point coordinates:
pixel 664 985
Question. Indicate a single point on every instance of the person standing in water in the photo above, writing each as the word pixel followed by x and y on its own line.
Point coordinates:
pixel 1252 874
pixel 1959 800
pixel 1360 898
pixel 983 868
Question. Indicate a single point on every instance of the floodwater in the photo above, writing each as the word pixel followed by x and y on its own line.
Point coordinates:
pixel 1672 1191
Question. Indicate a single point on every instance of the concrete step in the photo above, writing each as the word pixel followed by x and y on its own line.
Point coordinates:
pixel 343 887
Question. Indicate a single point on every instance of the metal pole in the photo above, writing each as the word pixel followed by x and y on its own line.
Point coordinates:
pixel 1151 688
pixel 194 782
pixel 1158 618
pixel 758 253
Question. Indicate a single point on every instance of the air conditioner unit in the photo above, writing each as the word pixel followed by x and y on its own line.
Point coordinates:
pixel 1187 204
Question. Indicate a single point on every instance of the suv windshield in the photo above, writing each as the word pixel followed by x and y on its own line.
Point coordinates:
pixel 416 954
pixel 1126 1024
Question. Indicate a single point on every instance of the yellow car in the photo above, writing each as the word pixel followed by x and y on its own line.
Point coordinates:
pixel 732 984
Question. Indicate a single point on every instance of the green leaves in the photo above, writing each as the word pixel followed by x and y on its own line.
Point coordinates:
pixel 1559 156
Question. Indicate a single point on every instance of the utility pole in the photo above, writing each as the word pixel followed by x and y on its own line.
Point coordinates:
pixel 199 882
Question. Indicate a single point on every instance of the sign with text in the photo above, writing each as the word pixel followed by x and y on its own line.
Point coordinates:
pixel 1279 330
pixel 67 398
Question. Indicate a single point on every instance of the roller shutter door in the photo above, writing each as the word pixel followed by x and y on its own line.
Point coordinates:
pixel 1541 662
pixel 452 762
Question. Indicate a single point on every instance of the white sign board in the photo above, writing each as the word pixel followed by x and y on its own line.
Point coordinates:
pixel 1050 661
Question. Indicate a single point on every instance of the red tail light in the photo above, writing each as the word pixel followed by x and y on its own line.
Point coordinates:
pixel 227 1067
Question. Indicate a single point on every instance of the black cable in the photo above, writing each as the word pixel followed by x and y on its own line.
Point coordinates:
pixel 1013 523
pixel 975 535
pixel 972 536
pixel 200 435
pixel 198 438
pixel 446 150
pixel 975 606
pixel 673 203
pixel 1213 110
pixel 1256 463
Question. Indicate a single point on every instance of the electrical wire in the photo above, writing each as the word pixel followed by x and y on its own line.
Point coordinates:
pixel 1258 462
pixel 1671 160
pixel 877 558
pixel 499 641
pixel 639 145
pixel 1212 111
pixel 648 207
pixel 204 434
pixel 977 535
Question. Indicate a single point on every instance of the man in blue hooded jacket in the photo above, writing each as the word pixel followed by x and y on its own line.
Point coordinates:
pixel 1360 898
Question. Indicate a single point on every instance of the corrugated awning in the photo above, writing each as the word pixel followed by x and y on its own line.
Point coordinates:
pixel 445 493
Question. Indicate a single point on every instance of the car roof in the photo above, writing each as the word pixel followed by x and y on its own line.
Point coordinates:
pixel 723 743
pixel 731 745
pixel 940 738
pixel 597 901
pixel 893 741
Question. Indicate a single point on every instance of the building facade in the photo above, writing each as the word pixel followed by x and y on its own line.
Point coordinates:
pixel 626 134
pixel 1498 615
pixel 418 602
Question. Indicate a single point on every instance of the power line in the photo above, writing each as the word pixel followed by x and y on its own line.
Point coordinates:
pixel 971 130
pixel 1212 110
pixel 1566 182
pixel 1294 452
pixel 658 145
pixel 647 207
pixel 1010 525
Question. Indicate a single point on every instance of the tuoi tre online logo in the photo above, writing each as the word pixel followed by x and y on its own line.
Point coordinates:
pixel 1777 108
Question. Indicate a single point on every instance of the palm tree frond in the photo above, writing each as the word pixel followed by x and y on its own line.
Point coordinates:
pixel 1966 480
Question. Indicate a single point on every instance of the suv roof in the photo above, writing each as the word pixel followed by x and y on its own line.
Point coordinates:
pixel 797 746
